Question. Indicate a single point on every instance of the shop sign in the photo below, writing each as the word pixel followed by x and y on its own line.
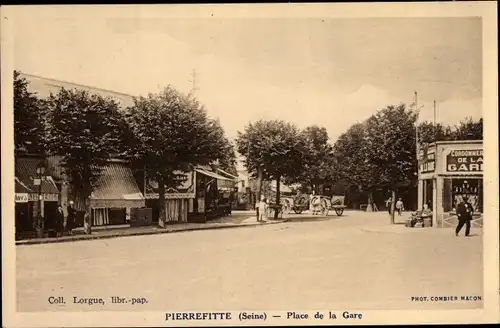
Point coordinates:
pixel 179 195
pixel 428 164
pixel 44 197
pixel 465 161
pixel 21 198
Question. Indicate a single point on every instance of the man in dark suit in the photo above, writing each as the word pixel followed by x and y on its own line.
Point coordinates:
pixel 464 213
pixel 59 221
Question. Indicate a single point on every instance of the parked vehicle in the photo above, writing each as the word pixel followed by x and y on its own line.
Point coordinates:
pixel 323 204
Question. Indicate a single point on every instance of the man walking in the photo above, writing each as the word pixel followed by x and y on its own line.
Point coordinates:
pixel 400 206
pixel 464 213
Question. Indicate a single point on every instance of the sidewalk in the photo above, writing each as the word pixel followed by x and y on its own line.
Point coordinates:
pixel 126 230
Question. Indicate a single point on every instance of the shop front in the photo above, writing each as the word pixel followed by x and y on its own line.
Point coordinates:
pixel 178 201
pixel 35 194
pixel 448 171
pixel 115 196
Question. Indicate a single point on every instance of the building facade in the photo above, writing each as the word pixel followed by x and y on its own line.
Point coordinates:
pixel 448 170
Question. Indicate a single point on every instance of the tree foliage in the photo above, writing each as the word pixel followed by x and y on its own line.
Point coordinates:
pixel 28 118
pixel 350 158
pixel 171 134
pixel 429 132
pixel 275 149
pixel 275 146
pixel 468 129
pixel 317 157
pixel 86 131
pixel 390 135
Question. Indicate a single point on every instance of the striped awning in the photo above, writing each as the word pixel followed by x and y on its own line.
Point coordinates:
pixel 25 171
pixel 117 187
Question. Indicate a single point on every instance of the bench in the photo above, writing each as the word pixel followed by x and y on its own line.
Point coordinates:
pixel 363 207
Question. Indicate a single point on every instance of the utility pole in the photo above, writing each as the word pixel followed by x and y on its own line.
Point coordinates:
pixel 435 123
pixel 416 124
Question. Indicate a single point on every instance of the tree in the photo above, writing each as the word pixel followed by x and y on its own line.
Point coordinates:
pixel 171 134
pixel 29 116
pixel 85 130
pixel 429 132
pixel 468 129
pixel 351 163
pixel 317 158
pixel 390 136
pixel 272 150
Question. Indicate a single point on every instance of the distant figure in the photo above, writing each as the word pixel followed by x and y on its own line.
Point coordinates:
pixel 388 204
pixel 400 206
pixel 262 206
pixel 59 221
pixel 71 219
pixel 464 213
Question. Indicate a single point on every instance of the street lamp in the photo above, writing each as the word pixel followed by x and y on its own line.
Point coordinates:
pixel 40 170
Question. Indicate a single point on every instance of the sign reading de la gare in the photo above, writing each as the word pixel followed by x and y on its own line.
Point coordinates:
pixel 464 161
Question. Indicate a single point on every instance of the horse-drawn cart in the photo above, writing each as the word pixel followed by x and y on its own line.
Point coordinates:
pixel 296 204
pixel 323 204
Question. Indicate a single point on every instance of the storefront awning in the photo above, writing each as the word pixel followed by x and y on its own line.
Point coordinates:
pixel 213 175
pixel 26 175
pixel 117 188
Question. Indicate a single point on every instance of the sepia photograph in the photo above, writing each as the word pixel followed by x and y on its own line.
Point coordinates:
pixel 250 164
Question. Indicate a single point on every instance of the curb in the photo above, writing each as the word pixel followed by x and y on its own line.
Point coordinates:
pixel 140 233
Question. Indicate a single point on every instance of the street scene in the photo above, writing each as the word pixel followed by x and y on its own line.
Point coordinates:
pixel 353 262
pixel 258 164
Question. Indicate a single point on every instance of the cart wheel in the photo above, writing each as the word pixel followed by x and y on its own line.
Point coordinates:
pixel 339 211
pixel 297 210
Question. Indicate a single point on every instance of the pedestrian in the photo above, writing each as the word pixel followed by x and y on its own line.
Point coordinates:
pixel 388 203
pixel 262 206
pixel 71 219
pixel 400 206
pixel 464 213
pixel 59 221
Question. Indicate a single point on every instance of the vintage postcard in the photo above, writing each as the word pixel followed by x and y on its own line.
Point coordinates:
pixel 279 164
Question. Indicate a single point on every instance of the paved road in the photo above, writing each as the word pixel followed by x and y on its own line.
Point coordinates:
pixel 352 262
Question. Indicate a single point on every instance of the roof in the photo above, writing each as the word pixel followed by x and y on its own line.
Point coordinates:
pixel 44 86
pixel 227 174
pixel 21 187
pixel 454 142
pixel 25 172
pixel 117 182
pixel 212 174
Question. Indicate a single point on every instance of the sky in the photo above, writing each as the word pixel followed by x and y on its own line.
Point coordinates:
pixel 330 72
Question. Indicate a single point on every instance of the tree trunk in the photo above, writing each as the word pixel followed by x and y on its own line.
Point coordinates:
pixel 393 205
pixel 260 177
pixel 87 216
pixel 161 203
pixel 276 211
pixel 369 208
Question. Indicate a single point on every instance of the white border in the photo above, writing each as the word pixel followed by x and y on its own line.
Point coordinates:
pixel 488 12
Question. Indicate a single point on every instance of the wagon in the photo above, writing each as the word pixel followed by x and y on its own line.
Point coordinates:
pixel 323 204
pixel 296 204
